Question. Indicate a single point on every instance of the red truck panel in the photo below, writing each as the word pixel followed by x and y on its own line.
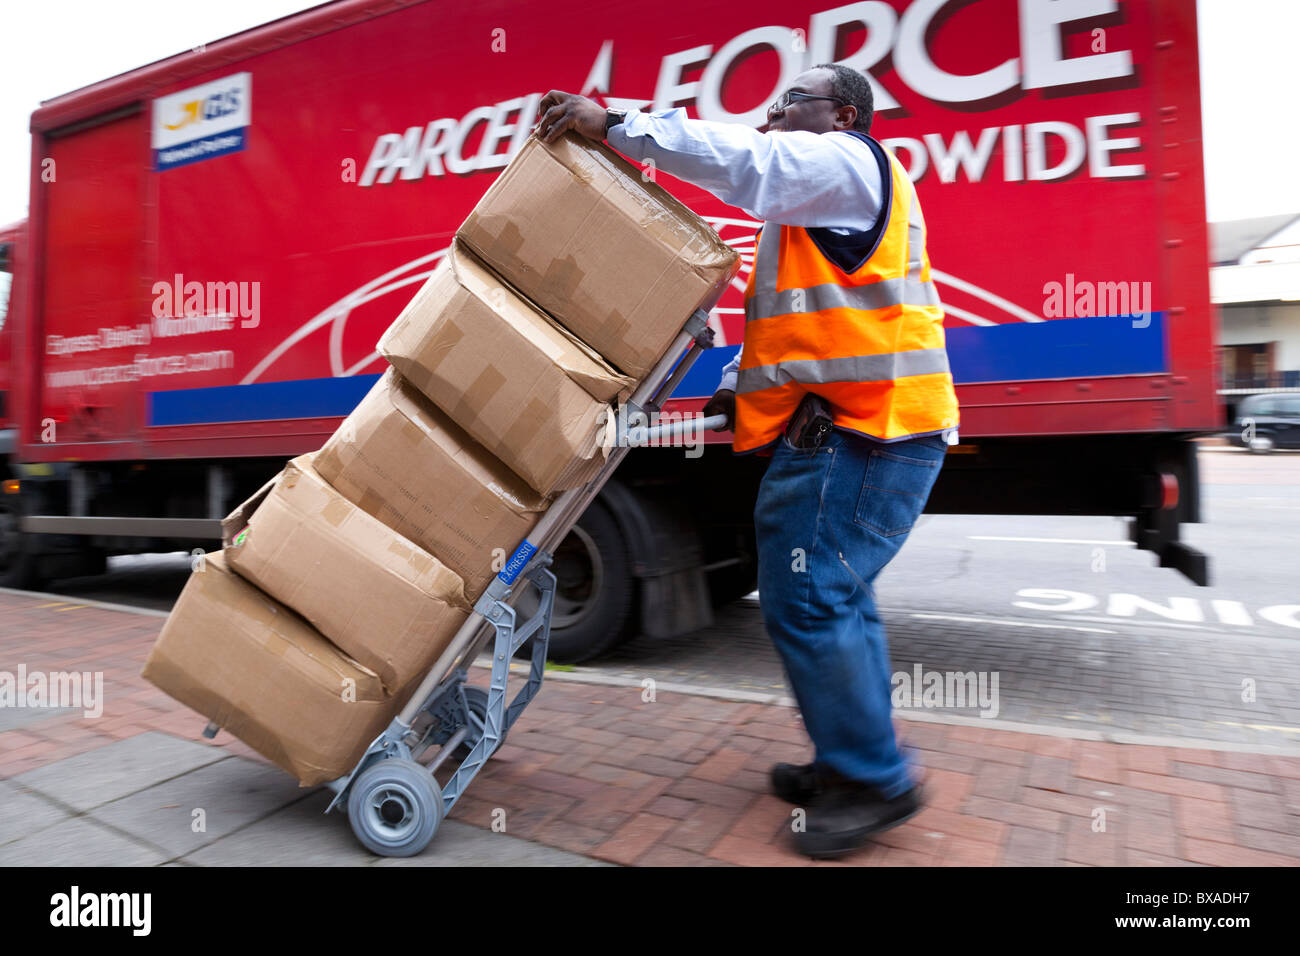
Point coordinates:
pixel 94 251
pixel 303 190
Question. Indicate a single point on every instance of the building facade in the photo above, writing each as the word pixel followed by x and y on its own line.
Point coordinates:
pixel 1255 284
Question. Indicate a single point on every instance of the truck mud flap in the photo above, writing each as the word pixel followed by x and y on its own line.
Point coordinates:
pixel 667 559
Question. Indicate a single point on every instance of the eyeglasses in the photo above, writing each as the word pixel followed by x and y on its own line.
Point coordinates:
pixel 795 96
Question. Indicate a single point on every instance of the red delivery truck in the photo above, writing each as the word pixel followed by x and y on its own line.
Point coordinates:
pixel 216 241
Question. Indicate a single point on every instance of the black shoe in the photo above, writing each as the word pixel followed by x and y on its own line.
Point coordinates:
pixel 845 815
pixel 796 783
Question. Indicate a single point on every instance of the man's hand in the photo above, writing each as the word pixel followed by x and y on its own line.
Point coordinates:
pixel 564 111
pixel 723 402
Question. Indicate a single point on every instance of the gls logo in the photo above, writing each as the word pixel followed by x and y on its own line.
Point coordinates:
pixel 214 107
pixel 202 122
pixel 221 104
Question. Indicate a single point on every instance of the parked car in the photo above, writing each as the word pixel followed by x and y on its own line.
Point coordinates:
pixel 1268 421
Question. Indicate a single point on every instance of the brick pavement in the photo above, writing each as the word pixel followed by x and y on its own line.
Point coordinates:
pixel 681 780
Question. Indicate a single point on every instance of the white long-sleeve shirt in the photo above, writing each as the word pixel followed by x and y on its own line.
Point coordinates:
pixel 795 178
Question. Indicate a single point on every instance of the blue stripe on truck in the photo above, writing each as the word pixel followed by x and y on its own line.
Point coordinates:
pixel 1016 351
pixel 261 401
pixel 1057 348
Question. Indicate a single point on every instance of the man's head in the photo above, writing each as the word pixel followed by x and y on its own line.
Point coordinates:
pixel 844 102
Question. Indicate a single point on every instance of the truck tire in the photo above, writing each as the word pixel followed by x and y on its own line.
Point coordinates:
pixel 595 593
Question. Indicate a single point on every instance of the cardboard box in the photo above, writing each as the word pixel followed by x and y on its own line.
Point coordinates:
pixel 257 669
pixel 402 460
pixel 617 260
pixel 523 387
pixel 375 595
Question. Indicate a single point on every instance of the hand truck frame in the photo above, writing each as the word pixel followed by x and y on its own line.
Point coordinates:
pixel 391 797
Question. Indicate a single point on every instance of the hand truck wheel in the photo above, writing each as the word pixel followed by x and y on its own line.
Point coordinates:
pixel 395 807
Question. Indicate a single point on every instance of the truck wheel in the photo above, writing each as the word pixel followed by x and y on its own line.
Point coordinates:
pixel 594 592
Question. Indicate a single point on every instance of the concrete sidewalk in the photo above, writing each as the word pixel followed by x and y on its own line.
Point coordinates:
pixel 595 774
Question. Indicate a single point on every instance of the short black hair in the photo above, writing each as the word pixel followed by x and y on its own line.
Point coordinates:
pixel 852 87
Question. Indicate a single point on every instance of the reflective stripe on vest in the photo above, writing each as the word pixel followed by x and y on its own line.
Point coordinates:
pixel 853 368
pixel 871 341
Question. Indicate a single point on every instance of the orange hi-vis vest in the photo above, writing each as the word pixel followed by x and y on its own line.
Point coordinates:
pixel 866 335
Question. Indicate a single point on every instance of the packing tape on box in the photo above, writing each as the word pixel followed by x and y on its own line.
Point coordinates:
pixel 443 338
pixel 277 645
pixel 477 397
pixel 418 376
pixel 487 503
pixel 616 326
pixel 336 512
pixel 417 560
pixel 372 503
pixel 510 238
pixel 563 277
pixel 327 459
pixel 411 434
pixel 525 425
pixel 258 607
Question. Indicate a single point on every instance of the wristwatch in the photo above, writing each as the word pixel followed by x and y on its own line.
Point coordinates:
pixel 613 118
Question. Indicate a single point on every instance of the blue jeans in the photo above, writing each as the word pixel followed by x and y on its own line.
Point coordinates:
pixel 827 522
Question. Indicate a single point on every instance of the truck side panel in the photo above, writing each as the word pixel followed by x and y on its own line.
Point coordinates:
pixel 94 251
pixel 1064 208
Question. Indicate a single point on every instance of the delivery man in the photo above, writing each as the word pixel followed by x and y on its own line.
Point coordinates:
pixel 843 379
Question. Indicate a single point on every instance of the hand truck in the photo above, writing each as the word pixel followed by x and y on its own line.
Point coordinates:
pixel 391 797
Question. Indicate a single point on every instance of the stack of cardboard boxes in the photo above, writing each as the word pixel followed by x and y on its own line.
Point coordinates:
pixel 342 580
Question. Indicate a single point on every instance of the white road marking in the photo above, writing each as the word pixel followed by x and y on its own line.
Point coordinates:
pixel 1128 620
pixel 1010 623
pixel 990 537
